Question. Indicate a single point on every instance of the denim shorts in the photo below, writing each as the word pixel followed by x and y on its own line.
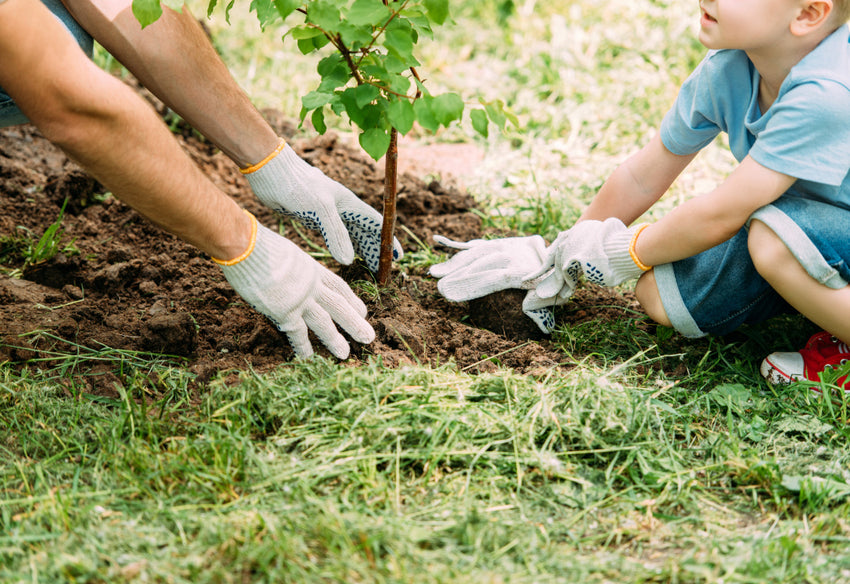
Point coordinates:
pixel 10 115
pixel 718 290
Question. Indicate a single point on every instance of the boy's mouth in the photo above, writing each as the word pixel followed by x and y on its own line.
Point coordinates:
pixel 708 17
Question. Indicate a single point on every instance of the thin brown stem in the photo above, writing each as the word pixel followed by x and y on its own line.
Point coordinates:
pixel 388 227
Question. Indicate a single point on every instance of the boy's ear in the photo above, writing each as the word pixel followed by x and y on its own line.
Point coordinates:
pixel 813 13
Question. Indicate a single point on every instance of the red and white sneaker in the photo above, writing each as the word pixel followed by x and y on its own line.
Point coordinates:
pixel 822 351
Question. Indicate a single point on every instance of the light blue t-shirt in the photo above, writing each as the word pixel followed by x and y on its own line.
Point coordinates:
pixel 804 134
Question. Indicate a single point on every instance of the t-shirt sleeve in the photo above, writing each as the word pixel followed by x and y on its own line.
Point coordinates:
pixel 808 135
pixel 694 120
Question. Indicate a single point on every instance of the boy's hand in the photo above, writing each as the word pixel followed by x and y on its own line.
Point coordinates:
pixel 486 266
pixel 297 293
pixel 602 250
pixel 289 185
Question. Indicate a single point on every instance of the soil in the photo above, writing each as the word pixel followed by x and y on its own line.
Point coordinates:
pixel 125 284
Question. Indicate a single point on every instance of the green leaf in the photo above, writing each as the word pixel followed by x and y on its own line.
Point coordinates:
pixel 355 37
pixel 334 73
pixel 286 7
pixel 265 10
pixel 479 121
pixel 375 142
pixel 304 31
pixel 419 22
pixel 364 94
pixel 146 11
pixel 424 115
pixel 307 46
pixel 354 111
pixel 316 99
pixel 318 119
pixel 401 115
pixel 447 108
pixel 368 13
pixel 324 14
pixel 399 40
pixel 438 10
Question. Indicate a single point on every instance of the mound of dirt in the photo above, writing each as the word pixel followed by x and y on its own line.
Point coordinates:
pixel 123 283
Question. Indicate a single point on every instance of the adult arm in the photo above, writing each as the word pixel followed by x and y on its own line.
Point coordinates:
pixel 118 138
pixel 111 132
pixel 175 60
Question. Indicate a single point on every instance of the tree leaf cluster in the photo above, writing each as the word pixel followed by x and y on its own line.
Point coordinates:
pixel 368 71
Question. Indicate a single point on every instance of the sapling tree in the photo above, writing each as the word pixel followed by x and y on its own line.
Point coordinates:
pixel 369 74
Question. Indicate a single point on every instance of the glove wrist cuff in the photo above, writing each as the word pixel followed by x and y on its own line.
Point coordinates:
pixel 620 251
pixel 255 167
pixel 251 244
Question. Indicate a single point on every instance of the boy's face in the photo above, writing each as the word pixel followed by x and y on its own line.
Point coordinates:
pixel 746 24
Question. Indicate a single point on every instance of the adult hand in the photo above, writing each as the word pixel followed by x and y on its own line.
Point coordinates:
pixel 601 250
pixel 486 266
pixel 292 187
pixel 297 293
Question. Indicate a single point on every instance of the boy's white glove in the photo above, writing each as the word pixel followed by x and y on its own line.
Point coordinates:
pixel 296 293
pixel 292 187
pixel 602 250
pixel 486 266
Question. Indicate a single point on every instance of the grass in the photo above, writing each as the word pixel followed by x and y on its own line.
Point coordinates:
pixel 654 459
pixel 318 472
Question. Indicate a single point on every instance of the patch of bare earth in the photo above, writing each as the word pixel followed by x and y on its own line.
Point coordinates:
pixel 132 286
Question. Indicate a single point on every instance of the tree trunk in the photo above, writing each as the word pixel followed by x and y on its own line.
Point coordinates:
pixel 388 228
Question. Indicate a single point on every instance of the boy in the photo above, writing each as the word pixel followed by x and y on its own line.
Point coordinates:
pixel 773 236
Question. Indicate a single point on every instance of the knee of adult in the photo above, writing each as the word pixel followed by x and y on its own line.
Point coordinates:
pixel 767 250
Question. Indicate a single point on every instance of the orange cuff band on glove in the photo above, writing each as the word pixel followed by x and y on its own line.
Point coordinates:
pixel 262 163
pixel 248 251
pixel 632 251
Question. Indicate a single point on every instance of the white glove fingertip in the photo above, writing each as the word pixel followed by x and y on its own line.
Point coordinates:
pixel 544 318
pixel 300 341
pixel 446 242
pixel 321 323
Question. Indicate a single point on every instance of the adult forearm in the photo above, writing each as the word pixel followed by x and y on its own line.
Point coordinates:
pixel 127 148
pixel 174 59
pixel 111 131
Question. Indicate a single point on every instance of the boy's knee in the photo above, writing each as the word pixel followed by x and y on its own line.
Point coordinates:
pixel 647 294
pixel 767 250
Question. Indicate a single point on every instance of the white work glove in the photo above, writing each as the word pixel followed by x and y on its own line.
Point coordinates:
pixel 602 250
pixel 486 266
pixel 296 293
pixel 292 187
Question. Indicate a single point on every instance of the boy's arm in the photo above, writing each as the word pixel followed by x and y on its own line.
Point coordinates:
pixel 637 183
pixel 712 218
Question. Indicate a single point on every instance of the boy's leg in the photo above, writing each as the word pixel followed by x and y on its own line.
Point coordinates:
pixel 646 291
pixel 827 307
